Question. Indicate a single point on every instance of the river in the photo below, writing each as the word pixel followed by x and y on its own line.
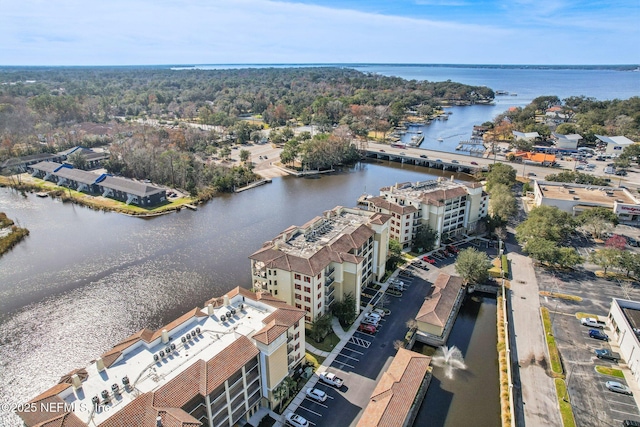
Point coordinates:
pixel 83 280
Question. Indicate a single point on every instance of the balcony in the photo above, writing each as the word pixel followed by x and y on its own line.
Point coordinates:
pixel 291 360
pixel 289 337
pixel 329 300
pixel 330 271
pixel 258 273
pixel 329 280
pixel 328 292
pixel 290 348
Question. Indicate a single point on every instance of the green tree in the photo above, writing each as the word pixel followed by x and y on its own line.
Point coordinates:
pixel 605 258
pixel 502 202
pixel 598 220
pixel 425 239
pixel 629 262
pixel 541 250
pixel 473 266
pixel 77 160
pixel 280 392
pixel 320 327
pixel 244 155
pixel 345 310
pixel 546 222
pixel 500 173
pixel 225 152
pixel 568 258
pixel 395 254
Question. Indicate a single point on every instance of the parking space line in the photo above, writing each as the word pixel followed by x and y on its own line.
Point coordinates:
pixel 348 357
pixel 355 351
pixel 316 402
pixel 343 364
pixel 359 342
pixel 309 410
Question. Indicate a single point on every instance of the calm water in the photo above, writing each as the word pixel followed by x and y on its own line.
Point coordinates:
pixel 84 280
pixel 473 393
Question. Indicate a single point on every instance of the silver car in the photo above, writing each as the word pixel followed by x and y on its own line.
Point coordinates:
pixel 618 387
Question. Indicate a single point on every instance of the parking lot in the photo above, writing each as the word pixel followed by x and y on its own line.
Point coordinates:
pixel 365 357
pixel 593 404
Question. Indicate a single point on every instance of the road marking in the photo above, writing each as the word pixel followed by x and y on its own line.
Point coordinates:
pixel 313 412
pixel 343 364
pixel 355 351
pixel 348 357
pixel 359 342
pixel 316 402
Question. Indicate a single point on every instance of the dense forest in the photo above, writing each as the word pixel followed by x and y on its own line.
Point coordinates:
pixel 585 116
pixel 166 124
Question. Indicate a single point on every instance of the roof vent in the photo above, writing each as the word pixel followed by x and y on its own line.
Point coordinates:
pixel 226 300
pixel 99 364
pixel 165 336
pixel 159 421
pixel 210 309
pixel 75 381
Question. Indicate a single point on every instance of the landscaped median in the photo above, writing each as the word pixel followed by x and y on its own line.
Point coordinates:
pixel 566 411
pixel 503 366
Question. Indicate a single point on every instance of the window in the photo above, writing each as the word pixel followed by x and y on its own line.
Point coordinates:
pixel 319 286
pixel 297 346
pixel 269 272
pixel 319 296
pixel 298 296
pixel 307 318
pixel 319 305
pixel 298 306
pixel 295 325
pixel 307 289
pixel 297 277
pixel 307 299
pixel 275 283
pixel 275 292
pixel 407 224
pixel 307 279
pixel 406 231
pixel 297 335
pixel 298 287
pixel 319 276
pixel 307 309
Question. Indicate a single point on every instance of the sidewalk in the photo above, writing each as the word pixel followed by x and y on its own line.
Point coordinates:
pixel 539 404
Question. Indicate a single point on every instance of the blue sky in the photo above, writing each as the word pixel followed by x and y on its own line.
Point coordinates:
pixel 140 32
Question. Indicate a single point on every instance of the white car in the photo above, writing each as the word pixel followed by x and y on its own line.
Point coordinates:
pixel 296 420
pixel 331 379
pixel 370 321
pixel 396 282
pixel 316 394
pixel 378 311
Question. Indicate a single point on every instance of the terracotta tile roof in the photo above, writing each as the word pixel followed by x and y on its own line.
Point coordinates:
pixel 68 419
pixel 437 306
pixel 138 413
pixel 439 196
pixel 50 397
pixel 380 218
pixel 228 361
pixel 176 417
pixel 81 373
pixel 196 312
pixel 183 388
pixel 382 203
pixel 394 395
pixel 270 332
pixel 286 315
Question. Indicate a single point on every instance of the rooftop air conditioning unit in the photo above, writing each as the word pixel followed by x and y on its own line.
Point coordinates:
pixel 161 353
pixel 183 339
pixel 189 336
pixel 115 388
pixel 167 350
pixel 95 400
pixel 125 381
pixel 240 306
pixel 104 394
pixel 173 346
pixel 198 330
pixel 233 311
pixel 156 357
pixel 222 318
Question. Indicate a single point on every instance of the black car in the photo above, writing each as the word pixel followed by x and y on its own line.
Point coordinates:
pixel 606 354
pixel 630 423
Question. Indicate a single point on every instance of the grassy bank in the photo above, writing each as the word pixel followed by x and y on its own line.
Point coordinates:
pixel 566 412
pixel 503 363
pixel 554 354
pixel 14 234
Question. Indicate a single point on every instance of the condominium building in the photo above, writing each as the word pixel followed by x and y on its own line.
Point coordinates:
pixel 213 366
pixel 312 265
pixel 447 207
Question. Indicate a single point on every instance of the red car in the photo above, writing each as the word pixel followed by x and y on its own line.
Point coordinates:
pixel 428 259
pixel 453 249
pixel 367 329
pixel 474 163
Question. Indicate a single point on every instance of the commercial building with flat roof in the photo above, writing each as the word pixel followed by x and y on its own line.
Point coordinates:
pixel 576 198
pixel 213 366
pixel 624 316
pixel 447 207
pixel 312 265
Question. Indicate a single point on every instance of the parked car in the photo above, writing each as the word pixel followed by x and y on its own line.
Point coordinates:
pixel 423 156
pixel 618 387
pixel 296 420
pixel 367 329
pixel 438 161
pixel 428 259
pixel 598 334
pixel 373 315
pixel 316 394
pixel 370 321
pixel 396 282
pixel 331 379
pixel 603 353
pixel 397 287
pixel 630 423
pixel 381 311
pixel 453 249
pixel 594 323
pixel 474 163
pixel 454 161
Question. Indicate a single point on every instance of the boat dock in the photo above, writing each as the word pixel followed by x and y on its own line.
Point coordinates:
pixel 252 185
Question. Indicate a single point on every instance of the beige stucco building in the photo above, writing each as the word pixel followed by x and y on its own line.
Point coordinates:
pixel 576 198
pixel 439 310
pixel 213 366
pixel 312 265
pixel 447 207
